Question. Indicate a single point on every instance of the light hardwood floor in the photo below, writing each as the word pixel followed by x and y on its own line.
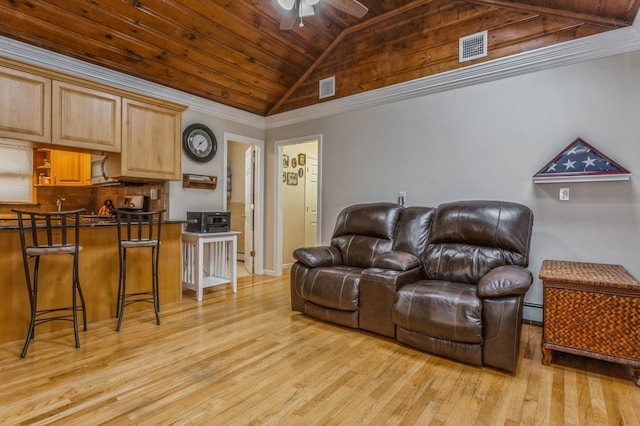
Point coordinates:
pixel 245 358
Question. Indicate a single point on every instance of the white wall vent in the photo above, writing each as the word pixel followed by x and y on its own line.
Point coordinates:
pixel 473 46
pixel 327 87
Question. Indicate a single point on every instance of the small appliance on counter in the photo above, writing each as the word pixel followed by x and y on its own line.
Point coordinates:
pixel 208 222
pixel 133 203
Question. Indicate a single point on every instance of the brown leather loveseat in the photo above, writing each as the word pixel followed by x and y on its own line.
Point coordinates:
pixel 449 281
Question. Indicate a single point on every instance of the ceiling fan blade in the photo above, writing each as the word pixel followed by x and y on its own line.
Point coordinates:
pixel 352 7
pixel 306 9
pixel 288 19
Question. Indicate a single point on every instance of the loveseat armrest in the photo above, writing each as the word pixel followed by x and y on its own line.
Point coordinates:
pixel 396 261
pixel 507 280
pixel 377 291
pixel 314 257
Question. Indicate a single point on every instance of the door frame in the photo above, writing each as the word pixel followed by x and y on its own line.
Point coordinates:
pixel 258 232
pixel 277 226
pixel 306 187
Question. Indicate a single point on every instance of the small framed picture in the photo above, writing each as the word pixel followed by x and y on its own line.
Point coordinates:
pixel 284 177
pixel 302 159
pixel 301 172
pixel 285 161
pixel 294 164
pixel 292 178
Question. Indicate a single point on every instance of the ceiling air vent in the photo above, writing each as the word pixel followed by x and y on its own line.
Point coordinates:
pixel 327 87
pixel 473 46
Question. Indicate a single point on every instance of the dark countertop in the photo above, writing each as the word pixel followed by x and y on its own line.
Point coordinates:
pixel 12 223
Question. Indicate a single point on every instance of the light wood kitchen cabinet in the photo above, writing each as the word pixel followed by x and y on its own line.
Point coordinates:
pixel 85 118
pixel 70 168
pixel 26 106
pixel 44 106
pixel 151 140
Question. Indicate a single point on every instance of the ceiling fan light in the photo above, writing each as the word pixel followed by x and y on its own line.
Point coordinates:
pixel 286 4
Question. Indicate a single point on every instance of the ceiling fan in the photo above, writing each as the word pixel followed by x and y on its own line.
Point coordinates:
pixel 294 9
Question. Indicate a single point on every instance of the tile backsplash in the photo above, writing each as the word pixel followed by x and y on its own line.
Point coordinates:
pixel 92 198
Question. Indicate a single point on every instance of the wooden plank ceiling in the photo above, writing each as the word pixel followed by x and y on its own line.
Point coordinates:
pixel 233 52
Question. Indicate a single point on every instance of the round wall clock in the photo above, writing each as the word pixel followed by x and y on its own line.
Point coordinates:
pixel 199 143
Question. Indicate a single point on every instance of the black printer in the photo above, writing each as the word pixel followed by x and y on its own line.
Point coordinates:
pixel 208 222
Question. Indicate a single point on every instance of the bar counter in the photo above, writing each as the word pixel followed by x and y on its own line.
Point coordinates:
pixel 98 271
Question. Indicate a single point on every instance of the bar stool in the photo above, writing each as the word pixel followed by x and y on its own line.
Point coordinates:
pixel 137 230
pixel 44 234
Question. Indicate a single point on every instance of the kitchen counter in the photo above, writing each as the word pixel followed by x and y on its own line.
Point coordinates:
pixel 98 271
pixel 11 222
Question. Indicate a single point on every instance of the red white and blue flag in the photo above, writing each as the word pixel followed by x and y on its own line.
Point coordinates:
pixel 580 161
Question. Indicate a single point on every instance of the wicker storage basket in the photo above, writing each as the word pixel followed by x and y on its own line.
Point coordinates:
pixel 591 309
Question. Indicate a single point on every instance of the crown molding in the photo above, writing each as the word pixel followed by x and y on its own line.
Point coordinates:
pixel 597 46
pixel 44 58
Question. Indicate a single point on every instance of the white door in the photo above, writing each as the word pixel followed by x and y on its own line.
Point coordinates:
pixel 311 202
pixel 249 207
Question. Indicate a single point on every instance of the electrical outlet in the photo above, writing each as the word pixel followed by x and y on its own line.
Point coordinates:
pixel 564 194
pixel 153 194
pixel 402 198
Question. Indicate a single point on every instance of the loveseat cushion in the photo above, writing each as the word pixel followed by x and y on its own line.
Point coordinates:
pixel 413 230
pixel 396 261
pixel 440 309
pixel 333 287
pixel 469 238
pixel 359 251
pixel 460 262
pixel 377 220
pixel 364 231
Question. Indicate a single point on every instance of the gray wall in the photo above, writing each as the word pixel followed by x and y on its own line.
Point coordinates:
pixel 486 142
pixel 184 200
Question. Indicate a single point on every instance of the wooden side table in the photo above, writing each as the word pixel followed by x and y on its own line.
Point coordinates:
pixel 209 259
pixel 593 310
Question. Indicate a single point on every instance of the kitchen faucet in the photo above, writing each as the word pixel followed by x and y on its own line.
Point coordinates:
pixel 59 202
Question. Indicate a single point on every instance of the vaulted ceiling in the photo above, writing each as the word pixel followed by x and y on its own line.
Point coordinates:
pixel 233 51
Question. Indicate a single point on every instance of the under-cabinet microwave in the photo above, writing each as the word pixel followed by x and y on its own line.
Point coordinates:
pixel 104 168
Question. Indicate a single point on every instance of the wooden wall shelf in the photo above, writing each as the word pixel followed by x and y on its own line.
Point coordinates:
pixel 199 181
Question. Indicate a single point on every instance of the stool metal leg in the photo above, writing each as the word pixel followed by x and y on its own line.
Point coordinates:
pixel 84 310
pixel 122 287
pixel 33 299
pixel 77 289
pixel 154 282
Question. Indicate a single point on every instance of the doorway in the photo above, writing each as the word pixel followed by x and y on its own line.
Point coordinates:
pixel 244 194
pixel 311 201
pixel 298 197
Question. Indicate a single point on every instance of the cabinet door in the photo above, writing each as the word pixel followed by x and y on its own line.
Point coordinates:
pixel 26 106
pixel 85 118
pixel 150 141
pixel 70 168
